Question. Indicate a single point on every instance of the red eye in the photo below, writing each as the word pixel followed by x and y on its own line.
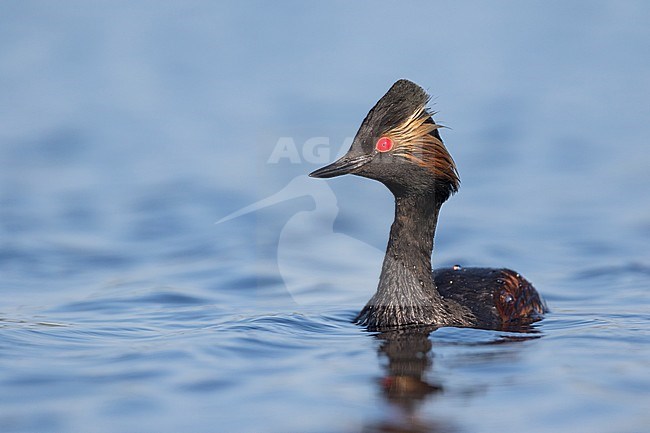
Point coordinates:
pixel 384 144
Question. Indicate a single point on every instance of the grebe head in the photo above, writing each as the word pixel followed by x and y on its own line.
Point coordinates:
pixel 399 145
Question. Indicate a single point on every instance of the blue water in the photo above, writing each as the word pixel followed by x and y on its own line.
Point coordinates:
pixel 128 129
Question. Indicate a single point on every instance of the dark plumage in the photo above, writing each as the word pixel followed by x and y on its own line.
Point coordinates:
pixel 399 145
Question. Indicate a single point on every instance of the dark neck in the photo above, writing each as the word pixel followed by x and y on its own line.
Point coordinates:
pixel 407 295
pixel 407 266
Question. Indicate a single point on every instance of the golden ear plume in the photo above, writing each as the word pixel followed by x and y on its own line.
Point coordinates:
pixel 414 141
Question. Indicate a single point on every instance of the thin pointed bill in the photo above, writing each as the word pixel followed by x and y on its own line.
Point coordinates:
pixel 345 165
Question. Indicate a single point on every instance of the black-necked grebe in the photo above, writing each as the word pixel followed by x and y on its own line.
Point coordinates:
pixel 399 145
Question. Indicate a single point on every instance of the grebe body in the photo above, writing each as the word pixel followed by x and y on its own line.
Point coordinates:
pixel 398 144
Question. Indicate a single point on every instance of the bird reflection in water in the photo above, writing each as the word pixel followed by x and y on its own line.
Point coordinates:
pixel 408 384
pixel 405 386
